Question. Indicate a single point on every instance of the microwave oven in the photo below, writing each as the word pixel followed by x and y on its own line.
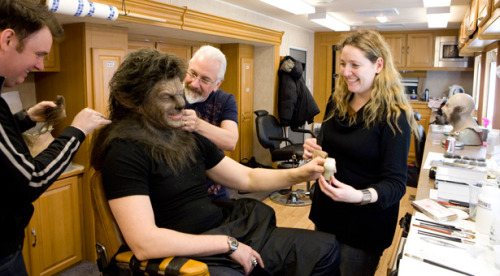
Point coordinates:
pixel 446 53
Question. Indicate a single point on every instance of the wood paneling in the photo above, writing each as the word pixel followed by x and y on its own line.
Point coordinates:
pixel 183 18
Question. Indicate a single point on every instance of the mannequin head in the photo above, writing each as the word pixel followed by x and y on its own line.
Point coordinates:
pixel 458 111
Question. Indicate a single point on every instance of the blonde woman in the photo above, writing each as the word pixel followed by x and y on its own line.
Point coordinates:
pixel 368 131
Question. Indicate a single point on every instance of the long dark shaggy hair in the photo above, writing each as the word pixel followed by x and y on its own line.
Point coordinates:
pixel 130 87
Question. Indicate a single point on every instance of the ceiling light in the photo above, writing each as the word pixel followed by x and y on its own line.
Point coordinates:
pixel 436 3
pixel 438 17
pixel 382 19
pixel 327 20
pixel 292 6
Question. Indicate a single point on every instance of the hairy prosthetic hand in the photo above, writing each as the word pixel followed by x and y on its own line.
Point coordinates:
pixel 458 111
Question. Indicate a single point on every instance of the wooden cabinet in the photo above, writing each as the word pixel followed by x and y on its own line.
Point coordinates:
pixel 412 51
pixel 89 55
pixel 425 111
pixel 239 82
pixel 471 21
pixel 54 235
pixel 483 11
pixel 51 61
pixel 184 51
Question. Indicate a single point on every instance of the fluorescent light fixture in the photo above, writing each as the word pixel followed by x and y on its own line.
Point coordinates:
pixel 382 19
pixel 292 6
pixel 436 3
pixel 438 17
pixel 327 20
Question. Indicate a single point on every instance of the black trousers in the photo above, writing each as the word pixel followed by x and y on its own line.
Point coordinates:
pixel 285 251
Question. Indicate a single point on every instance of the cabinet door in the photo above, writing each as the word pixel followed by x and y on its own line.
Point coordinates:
pixel 420 50
pixel 484 12
pixel 104 64
pixel 136 45
pixel 397 45
pixel 51 61
pixel 246 92
pixel 184 51
pixel 54 232
pixel 472 20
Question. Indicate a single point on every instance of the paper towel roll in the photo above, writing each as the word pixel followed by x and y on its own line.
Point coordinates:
pixel 83 8
pixel 102 11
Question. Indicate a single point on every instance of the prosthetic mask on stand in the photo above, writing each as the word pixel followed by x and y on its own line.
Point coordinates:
pixel 458 111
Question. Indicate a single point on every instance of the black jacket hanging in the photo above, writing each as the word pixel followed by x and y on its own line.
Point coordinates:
pixel 296 104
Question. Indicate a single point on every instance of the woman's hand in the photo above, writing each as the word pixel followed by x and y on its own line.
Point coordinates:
pixel 310 144
pixel 245 255
pixel 339 191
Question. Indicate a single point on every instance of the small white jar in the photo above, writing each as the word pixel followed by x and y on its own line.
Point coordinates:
pixel 329 168
pixel 487 205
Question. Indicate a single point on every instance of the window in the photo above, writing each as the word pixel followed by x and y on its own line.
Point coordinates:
pixel 490 86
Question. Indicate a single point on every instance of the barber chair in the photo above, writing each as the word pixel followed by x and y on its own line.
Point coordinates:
pixel 113 261
pixel 271 136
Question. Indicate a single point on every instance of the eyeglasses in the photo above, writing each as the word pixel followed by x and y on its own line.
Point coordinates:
pixel 205 80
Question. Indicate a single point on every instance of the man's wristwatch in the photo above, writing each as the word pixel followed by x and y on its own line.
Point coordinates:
pixel 233 245
pixel 367 197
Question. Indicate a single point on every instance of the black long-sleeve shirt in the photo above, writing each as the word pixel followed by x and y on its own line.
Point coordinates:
pixel 365 158
pixel 23 177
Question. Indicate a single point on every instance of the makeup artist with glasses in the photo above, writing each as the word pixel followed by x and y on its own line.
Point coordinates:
pixel 367 130
pixel 210 111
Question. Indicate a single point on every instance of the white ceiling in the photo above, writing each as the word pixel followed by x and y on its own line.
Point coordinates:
pixel 412 15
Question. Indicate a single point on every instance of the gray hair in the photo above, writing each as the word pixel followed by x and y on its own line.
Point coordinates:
pixel 211 52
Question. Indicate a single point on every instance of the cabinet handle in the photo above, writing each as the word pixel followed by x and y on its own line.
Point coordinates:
pixel 33 232
pixel 243 115
pixel 402 50
pixel 408 51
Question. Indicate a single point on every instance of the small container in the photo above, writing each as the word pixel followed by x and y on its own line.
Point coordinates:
pixel 450 144
pixel 488 204
pixel 329 168
pixel 426 95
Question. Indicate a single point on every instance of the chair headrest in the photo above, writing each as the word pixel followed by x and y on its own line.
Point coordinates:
pixel 261 112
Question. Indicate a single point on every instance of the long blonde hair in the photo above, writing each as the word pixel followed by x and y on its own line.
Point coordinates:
pixel 387 97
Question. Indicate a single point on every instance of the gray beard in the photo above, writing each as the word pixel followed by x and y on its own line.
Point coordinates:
pixel 192 97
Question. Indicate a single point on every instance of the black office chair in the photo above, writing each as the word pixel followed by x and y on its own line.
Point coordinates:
pixel 271 135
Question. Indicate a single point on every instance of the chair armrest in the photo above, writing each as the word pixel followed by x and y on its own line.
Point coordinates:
pixel 165 266
pixel 304 131
pixel 281 139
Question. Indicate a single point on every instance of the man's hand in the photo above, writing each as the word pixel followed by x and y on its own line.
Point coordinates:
pixel 313 169
pixel 310 145
pixel 190 120
pixel 87 120
pixel 244 256
pixel 37 112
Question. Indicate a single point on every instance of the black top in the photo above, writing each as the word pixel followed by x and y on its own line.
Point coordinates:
pixel 129 170
pixel 375 158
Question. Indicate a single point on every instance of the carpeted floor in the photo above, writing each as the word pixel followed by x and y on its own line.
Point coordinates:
pixel 82 269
